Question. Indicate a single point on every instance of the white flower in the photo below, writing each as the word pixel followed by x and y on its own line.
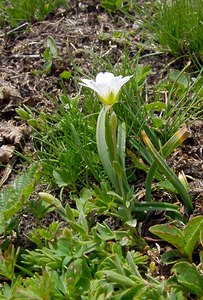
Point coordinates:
pixel 107 86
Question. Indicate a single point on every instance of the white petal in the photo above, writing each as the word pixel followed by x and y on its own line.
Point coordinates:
pixel 104 77
pixel 115 85
pixel 101 89
pixel 86 81
pixel 106 85
pixel 90 84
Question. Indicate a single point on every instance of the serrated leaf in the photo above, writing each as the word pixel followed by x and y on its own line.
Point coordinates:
pixel 191 233
pixel 189 277
pixel 13 197
pixel 170 234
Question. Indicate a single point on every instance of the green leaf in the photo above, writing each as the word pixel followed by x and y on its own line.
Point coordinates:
pixel 111 5
pixel 69 212
pixel 47 55
pixel 132 265
pixel 110 133
pixel 155 106
pixel 105 232
pixel 13 197
pixel 62 178
pixel 103 148
pixel 121 146
pixel 78 228
pixel 181 78
pixel 189 277
pixel 47 66
pixel 141 206
pixel 157 122
pixel 175 141
pixel 170 257
pixel 121 140
pixel 141 73
pixel 170 234
pixel 83 153
pixel 201 237
pixel 66 75
pixel 170 175
pixel 51 44
pixel 191 233
pixel 119 279
pixel 166 185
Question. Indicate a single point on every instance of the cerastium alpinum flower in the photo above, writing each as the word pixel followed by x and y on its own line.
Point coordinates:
pixel 107 86
pixel 110 135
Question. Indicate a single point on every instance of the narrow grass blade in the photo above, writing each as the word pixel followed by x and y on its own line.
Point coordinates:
pixel 83 154
pixel 170 175
pixel 175 141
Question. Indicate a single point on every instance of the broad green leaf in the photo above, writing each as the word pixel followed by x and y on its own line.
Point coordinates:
pixel 188 275
pixel 62 178
pixel 191 233
pixel 51 44
pixel 170 234
pixel 170 257
pixel 179 77
pixel 13 197
pixel 47 55
pixel 66 75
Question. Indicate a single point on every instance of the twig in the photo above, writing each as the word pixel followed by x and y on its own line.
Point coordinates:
pixel 13 30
